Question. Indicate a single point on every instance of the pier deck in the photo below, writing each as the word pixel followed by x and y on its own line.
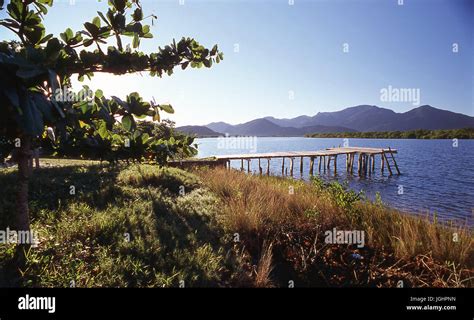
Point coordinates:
pixel 365 159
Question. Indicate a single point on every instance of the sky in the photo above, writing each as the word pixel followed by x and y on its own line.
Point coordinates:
pixel 286 58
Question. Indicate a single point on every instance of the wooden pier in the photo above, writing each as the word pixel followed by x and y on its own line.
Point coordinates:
pixel 366 158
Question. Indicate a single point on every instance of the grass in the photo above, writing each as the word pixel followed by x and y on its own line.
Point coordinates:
pixel 293 215
pixel 124 227
pixel 142 226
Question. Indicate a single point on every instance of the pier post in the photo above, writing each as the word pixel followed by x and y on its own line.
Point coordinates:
pixel 283 166
pixel 364 167
pixel 382 163
pixel 291 166
pixel 319 165
pixel 366 164
pixel 369 169
pixel 241 164
pixel 335 164
pixel 349 163
pixel 394 161
pixel 373 163
pixel 301 166
pixel 324 164
pixel 359 164
pixel 248 165
pixel 268 166
pixel 311 166
pixel 259 167
pixel 352 162
pixel 388 164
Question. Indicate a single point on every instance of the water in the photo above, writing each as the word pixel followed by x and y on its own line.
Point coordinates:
pixel 436 176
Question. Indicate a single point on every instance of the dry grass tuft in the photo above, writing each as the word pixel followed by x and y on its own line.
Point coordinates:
pixel 264 210
pixel 264 267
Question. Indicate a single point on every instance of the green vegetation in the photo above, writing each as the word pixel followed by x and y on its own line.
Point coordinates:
pixel 36 72
pixel 466 133
pixel 141 225
pixel 84 237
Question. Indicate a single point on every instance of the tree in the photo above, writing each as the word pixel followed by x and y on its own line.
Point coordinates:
pixel 37 66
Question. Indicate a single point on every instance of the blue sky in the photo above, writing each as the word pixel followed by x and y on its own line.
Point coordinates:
pixel 291 59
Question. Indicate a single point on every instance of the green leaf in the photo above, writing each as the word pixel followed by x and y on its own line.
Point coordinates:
pixel 207 63
pixel 137 14
pixel 67 35
pixel 104 18
pixel 15 9
pixel 119 4
pixel 156 116
pixel 53 49
pixel 136 41
pixel 103 131
pixel 145 137
pixel 99 93
pixel 92 28
pixel 137 27
pixel 46 38
pixel 167 108
pixel 88 42
pixel 34 34
pixel 121 103
pixel 127 122
pixel 41 7
pixel 46 2
pixel 84 105
pixel 96 22
pixel 119 21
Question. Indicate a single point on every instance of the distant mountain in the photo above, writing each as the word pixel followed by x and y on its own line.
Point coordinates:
pixel 427 117
pixel 220 126
pixel 262 127
pixel 373 118
pixel 297 122
pixel 200 131
pixel 359 118
pixel 265 127
pixel 324 129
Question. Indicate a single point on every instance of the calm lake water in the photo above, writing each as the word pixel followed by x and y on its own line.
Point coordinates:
pixel 436 176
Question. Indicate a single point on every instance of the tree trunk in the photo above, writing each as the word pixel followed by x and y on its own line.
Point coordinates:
pixel 37 159
pixel 24 156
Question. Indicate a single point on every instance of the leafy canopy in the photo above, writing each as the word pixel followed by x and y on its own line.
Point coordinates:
pixel 36 65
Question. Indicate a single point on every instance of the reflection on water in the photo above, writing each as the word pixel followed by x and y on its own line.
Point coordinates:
pixel 436 176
